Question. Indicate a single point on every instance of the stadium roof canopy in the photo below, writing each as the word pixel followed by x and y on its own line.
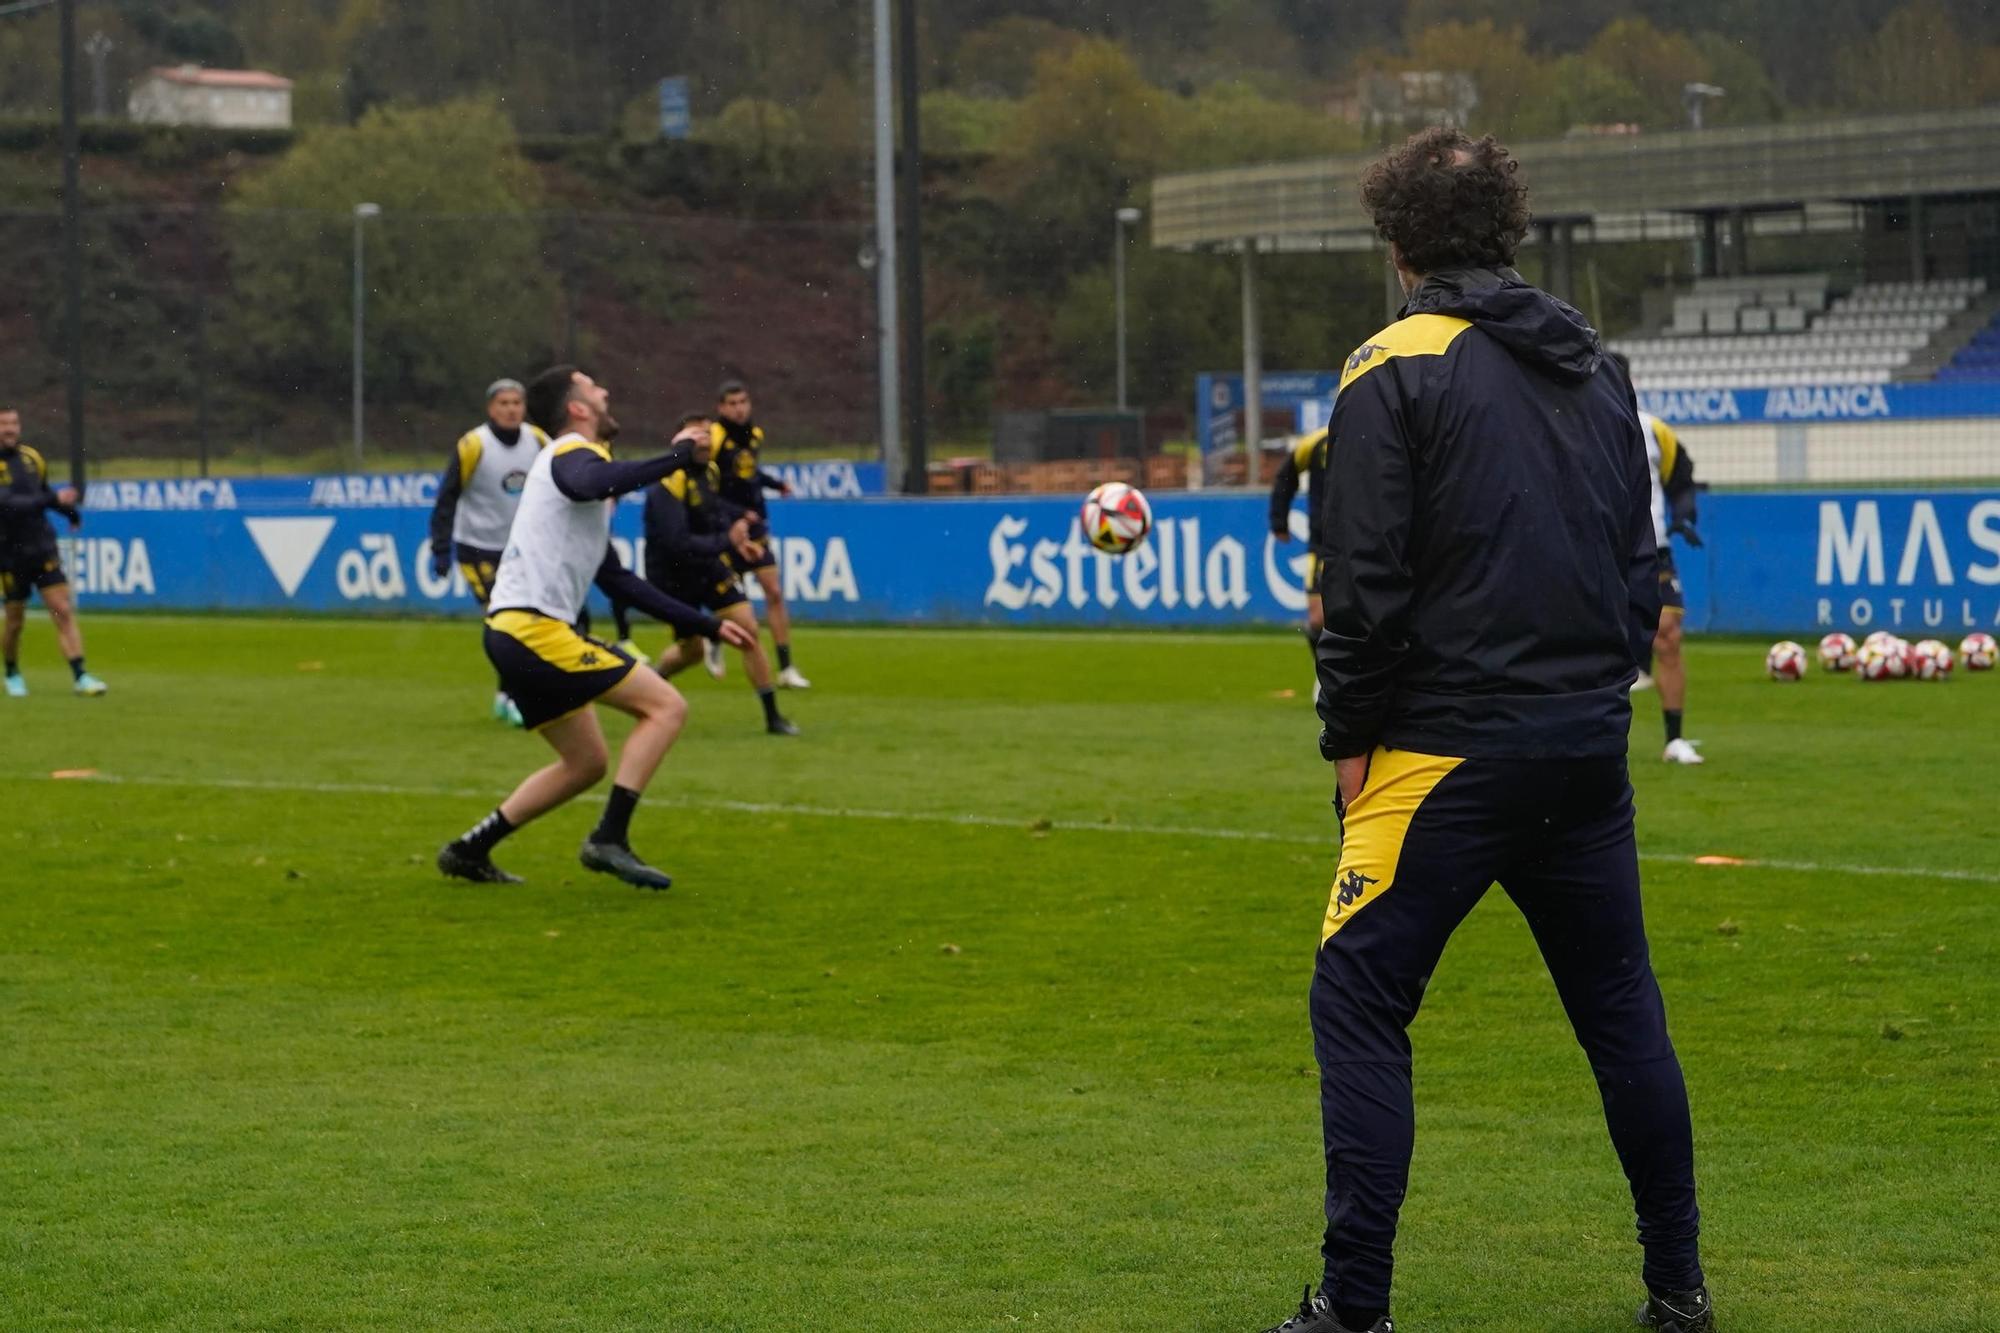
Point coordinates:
pixel 1802 176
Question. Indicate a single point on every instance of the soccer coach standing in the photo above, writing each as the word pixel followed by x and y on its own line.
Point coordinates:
pixel 1489 589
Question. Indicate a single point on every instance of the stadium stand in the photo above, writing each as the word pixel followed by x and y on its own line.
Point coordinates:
pixel 1765 331
pixel 1979 359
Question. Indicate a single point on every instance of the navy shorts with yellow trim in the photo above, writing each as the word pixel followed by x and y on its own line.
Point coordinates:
pixel 478 565
pixel 709 584
pixel 22 572
pixel 1671 597
pixel 768 560
pixel 548 669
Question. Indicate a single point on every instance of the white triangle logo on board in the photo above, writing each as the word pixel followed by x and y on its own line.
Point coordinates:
pixel 289 546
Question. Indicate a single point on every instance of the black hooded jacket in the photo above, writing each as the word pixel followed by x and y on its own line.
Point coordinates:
pixel 1489 577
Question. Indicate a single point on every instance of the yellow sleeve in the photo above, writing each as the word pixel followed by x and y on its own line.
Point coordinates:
pixel 1670 447
pixel 469 450
pixel 1308 445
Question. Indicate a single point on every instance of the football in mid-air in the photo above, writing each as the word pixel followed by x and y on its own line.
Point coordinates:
pixel 1978 652
pixel 1116 517
pixel 1931 660
pixel 1837 650
pixel 1786 661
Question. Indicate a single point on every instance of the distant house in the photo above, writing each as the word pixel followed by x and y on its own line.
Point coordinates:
pixel 237 99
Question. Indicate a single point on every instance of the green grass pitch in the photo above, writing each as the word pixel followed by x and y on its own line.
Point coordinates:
pixel 982 1006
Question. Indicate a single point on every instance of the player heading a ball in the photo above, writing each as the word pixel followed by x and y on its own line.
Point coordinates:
pixel 1116 517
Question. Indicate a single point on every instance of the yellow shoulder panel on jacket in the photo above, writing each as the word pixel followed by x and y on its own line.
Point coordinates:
pixel 716 434
pixel 1670 447
pixel 1308 445
pixel 677 485
pixel 541 436
pixel 37 462
pixel 602 451
pixel 469 450
pixel 1419 335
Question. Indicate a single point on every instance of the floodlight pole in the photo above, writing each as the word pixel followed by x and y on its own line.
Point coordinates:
pixel 1123 218
pixel 916 463
pixel 72 247
pixel 888 339
pixel 362 212
pixel 1253 362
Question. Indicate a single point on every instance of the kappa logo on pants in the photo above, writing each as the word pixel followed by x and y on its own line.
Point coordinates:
pixel 1352 887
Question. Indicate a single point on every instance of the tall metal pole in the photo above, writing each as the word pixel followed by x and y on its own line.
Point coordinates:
pixel 916 467
pixel 1253 362
pixel 72 247
pixel 362 212
pixel 888 344
pixel 1118 297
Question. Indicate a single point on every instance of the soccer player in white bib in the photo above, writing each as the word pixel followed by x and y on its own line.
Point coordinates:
pixel 559 545
pixel 1671 472
pixel 477 494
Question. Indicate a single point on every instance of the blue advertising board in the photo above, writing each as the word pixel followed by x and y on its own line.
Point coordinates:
pixel 1781 563
pixel 1821 402
pixel 1218 399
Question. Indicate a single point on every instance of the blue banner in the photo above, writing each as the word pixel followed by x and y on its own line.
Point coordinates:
pixel 675 119
pixel 1218 399
pixel 1778 563
pixel 397 490
pixel 1820 402
pixel 1800 563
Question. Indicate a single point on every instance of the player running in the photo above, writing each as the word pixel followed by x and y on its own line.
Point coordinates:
pixel 1671 472
pixel 1307 459
pixel 560 544
pixel 29 561
pixel 689 529
pixel 739 444
pixel 476 498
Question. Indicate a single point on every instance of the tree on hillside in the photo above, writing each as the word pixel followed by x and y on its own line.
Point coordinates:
pixel 1918 61
pixel 1656 64
pixel 459 288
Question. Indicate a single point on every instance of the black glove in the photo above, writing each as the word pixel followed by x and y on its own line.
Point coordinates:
pixel 440 560
pixel 1685 530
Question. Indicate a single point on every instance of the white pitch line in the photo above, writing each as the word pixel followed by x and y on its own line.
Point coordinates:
pixel 963 820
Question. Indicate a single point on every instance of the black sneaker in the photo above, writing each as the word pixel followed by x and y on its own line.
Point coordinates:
pixel 610 858
pixel 455 861
pixel 1678 1312
pixel 1316 1316
pixel 781 726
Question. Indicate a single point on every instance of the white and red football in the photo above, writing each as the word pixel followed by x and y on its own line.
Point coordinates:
pixel 1932 659
pixel 1786 661
pixel 1879 660
pixel 1881 638
pixel 1837 650
pixel 1978 652
pixel 1116 517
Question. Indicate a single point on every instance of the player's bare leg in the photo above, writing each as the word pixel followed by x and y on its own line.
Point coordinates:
pixel 757 666
pixel 581 760
pixel 679 656
pixel 61 604
pixel 660 712
pixel 780 617
pixel 10 648
pixel 1670 675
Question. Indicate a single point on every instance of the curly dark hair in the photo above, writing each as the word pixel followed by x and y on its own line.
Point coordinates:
pixel 1445 200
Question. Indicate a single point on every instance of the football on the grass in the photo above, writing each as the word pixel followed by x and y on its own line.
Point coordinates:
pixel 1978 652
pixel 1880 659
pixel 1837 650
pixel 1116 517
pixel 1931 660
pixel 1785 661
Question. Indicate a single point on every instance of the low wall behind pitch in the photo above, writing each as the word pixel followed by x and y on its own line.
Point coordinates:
pixel 1777 563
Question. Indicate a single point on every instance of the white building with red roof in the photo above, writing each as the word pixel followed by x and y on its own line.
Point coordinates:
pixel 236 99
